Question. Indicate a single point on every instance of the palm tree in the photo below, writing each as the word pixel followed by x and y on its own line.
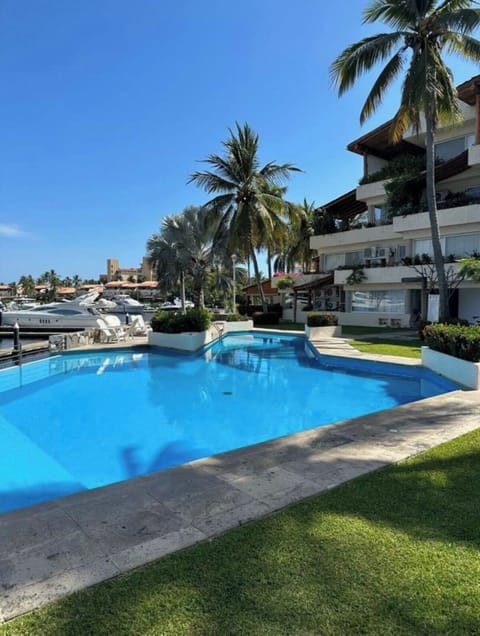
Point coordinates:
pixel 244 205
pixel 188 244
pixel 424 29
pixel 27 284
pixel 297 250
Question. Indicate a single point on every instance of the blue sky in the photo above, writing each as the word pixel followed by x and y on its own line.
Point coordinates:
pixel 106 107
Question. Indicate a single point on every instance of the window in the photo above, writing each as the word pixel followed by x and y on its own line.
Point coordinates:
pixel 462 245
pixel 445 150
pixel 424 246
pixel 354 258
pixel 391 301
pixel 333 261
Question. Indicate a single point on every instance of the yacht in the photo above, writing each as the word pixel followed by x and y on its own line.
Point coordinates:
pixel 72 315
pixel 176 305
pixel 124 304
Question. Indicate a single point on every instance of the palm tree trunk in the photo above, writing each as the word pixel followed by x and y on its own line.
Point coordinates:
pixel 258 279
pixel 182 290
pixel 269 264
pixel 433 215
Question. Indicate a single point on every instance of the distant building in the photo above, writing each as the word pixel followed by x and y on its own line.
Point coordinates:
pixel 117 273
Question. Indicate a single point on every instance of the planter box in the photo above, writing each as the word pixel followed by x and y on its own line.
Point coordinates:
pixel 239 325
pixel 190 341
pixel 333 331
pixel 461 371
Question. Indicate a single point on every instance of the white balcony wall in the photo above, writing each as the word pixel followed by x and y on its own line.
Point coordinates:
pixel 373 319
pixel 372 192
pixel 378 275
pixel 357 238
pixel 474 155
pixel 452 220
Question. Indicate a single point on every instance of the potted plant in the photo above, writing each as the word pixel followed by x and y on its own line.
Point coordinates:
pixel 187 331
pixel 322 325
pixel 453 351
pixel 237 322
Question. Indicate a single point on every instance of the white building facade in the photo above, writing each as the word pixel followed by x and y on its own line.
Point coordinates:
pixel 380 257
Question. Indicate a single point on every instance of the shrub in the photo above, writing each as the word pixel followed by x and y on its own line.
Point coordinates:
pixel 249 310
pixel 266 318
pixel 317 319
pixel 421 326
pixel 284 282
pixel 235 318
pixel 454 340
pixel 197 319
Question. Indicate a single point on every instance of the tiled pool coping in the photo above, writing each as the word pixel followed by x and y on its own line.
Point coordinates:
pixel 53 549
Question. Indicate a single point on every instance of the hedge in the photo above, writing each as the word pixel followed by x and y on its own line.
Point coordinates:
pixel 454 340
pixel 235 318
pixel 197 319
pixel 266 318
pixel 249 310
pixel 317 319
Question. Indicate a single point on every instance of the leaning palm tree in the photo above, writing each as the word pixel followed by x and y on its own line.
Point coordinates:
pixel 244 204
pixel 423 29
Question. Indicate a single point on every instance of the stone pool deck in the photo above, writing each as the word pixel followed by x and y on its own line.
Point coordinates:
pixel 53 549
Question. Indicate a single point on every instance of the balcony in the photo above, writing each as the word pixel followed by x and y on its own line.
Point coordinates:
pixel 474 155
pixel 462 217
pixel 378 275
pixel 368 192
pixel 360 237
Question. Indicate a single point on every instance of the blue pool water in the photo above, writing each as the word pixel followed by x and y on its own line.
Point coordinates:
pixel 82 420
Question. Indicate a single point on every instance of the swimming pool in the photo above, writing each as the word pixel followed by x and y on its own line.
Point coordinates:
pixel 82 420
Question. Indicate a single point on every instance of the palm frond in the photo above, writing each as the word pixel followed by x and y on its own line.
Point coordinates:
pixel 361 57
pixel 462 45
pixel 386 77
pixel 464 21
pixel 397 15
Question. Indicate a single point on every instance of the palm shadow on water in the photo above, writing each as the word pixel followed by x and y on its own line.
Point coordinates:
pixel 171 454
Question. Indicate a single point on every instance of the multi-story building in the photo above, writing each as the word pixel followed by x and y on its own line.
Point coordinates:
pixel 381 257
pixel 145 272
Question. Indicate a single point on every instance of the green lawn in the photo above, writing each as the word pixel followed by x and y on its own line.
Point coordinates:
pixel 385 346
pixel 393 553
pixel 351 330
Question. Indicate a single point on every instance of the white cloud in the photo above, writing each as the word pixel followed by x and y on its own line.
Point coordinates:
pixel 11 230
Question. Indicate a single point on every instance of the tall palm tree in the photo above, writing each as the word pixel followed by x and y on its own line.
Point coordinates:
pixel 423 30
pixel 243 205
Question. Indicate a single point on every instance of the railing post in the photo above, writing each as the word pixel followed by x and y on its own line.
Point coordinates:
pixel 17 345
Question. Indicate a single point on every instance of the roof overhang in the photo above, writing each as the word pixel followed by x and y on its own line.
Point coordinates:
pixel 468 91
pixel 346 205
pixel 321 281
pixel 378 142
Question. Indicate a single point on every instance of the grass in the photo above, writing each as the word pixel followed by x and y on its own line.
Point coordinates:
pixel 351 330
pixel 393 553
pixel 384 346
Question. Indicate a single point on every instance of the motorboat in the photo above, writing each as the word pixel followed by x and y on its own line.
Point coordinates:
pixel 176 305
pixel 22 302
pixel 69 315
pixel 123 304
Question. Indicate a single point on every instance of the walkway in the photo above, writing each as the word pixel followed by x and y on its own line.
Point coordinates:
pixel 53 549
